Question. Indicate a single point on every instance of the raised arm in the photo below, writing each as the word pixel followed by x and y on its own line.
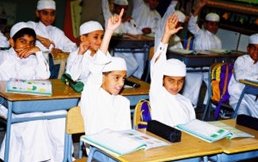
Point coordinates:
pixel 112 25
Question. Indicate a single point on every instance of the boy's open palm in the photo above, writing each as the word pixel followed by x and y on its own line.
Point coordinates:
pixel 171 25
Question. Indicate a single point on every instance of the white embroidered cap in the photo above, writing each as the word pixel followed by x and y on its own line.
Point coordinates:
pixel 212 17
pixel 115 64
pixel 121 2
pixel 180 15
pixel 46 4
pixel 90 26
pixel 253 39
pixel 17 27
pixel 174 67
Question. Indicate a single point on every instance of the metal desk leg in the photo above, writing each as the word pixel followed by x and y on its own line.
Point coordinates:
pixel 8 132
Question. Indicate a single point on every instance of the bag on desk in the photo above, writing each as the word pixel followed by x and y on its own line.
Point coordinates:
pixel 169 133
pixel 247 121
pixel 77 86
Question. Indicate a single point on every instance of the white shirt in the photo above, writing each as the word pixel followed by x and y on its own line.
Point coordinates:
pixel 3 41
pixel 125 27
pixel 244 68
pixel 203 39
pixel 32 67
pixel 101 110
pixel 54 34
pixel 165 107
pixel 145 17
pixel 78 65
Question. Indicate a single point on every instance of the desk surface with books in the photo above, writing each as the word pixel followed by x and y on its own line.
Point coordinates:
pixel 62 98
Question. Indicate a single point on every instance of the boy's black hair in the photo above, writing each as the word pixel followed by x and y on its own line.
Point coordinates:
pixel 24 31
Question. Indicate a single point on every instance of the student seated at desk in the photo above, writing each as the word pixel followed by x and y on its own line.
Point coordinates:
pixel 91 34
pixel 167 79
pixel 29 141
pixel 134 60
pixel 245 67
pixel 204 39
pixel 101 105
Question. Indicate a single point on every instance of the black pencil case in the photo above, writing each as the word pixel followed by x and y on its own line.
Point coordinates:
pixel 169 133
pixel 247 121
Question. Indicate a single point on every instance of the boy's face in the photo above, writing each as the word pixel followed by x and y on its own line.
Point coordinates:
pixel 211 26
pixel 46 16
pixel 153 4
pixel 253 51
pixel 113 81
pixel 173 84
pixel 24 42
pixel 94 39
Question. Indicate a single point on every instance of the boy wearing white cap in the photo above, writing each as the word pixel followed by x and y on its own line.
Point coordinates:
pixel 101 105
pixel 134 61
pixel 167 80
pixel 91 34
pixel 28 140
pixel 245 67
pixel 50 38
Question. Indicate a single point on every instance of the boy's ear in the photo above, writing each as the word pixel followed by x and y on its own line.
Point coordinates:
pixel 11 42
pixel 82 38
pixel 37 13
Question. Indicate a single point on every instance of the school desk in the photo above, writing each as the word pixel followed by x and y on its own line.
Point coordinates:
pixel 251 87
pixel 238 148
pixel 203 58
pixel 63 98
pixel 136 94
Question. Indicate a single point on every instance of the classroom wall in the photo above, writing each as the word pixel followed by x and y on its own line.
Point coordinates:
pixel 25 10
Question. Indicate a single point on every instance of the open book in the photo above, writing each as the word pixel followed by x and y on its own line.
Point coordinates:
pixel 211 131
pixel 33 87
pixel 118 143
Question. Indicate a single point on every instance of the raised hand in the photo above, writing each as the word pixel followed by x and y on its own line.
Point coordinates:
pixel 115 21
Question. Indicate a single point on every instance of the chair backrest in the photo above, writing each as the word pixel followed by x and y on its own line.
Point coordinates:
pixel 142 114
pixel 220 74
pixel 74 121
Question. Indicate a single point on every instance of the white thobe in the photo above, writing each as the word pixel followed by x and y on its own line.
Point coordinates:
pixel 100 109
pixel 55 35
pixel 165 107
pixel 144 16
pixel 29 141
pixel 203 39
pixel 78 65
pixel 3 41
pixel 134 61
pixel 244 68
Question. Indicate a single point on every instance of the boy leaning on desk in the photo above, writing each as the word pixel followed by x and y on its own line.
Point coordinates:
pixel 245 67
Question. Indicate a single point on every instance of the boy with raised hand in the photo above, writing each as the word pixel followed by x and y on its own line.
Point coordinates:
pixel 101 105
pixel 245 67
pixel 24 60
pixel 167 80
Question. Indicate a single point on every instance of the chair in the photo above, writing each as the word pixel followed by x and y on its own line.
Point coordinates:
pixel 74 125
pixel 146 74
pixel 219 77
pixel 142 114
pixel 250 88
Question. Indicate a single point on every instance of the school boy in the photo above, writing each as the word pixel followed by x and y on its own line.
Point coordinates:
pixel 50 38
pixel 91 34
pixel 167 79
pixel 134 61
pixel 101 105
pixel 146 16
pixel 24 61
pixel 245 67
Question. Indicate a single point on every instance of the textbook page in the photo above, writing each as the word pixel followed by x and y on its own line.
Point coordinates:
pixel 119 143
pixel 234 133
pixel 203 130
pixel 32 87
